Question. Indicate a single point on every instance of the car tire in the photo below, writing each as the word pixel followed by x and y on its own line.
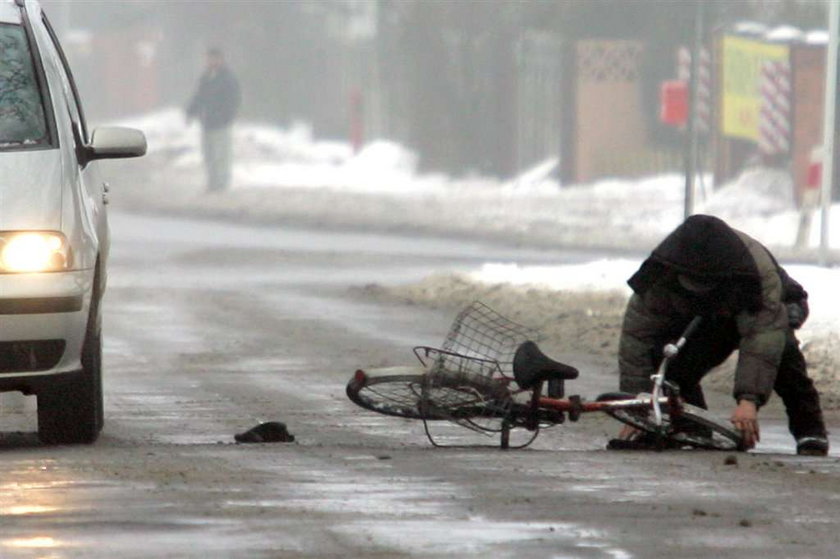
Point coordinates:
pixel 70 411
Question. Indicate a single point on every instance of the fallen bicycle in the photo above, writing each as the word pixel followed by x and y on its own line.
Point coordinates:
pixel 489 376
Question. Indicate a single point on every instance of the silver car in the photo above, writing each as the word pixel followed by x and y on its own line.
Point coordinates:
pixel 53 229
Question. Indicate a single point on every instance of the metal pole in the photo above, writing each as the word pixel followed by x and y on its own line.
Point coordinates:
pixel 829 123
pixel 692 141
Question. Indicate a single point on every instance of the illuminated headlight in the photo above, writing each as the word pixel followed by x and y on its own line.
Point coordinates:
pixel 33 251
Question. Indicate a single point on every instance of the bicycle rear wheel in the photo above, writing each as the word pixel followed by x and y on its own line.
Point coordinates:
pixel 412 393
pixel 695 426
pixel 393 391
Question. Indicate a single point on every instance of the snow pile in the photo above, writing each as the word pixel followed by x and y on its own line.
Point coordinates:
pixel 266 158
pixel 168 136
pixel 537 179
pixel 757 192
pixel 271 157
pixel 599 275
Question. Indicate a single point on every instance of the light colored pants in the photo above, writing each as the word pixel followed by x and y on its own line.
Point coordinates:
pixel 217 149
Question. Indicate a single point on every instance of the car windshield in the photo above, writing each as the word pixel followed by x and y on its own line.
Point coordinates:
pixel 22 121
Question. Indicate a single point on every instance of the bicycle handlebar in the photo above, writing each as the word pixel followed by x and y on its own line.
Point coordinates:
pixel 669 352
pixel 689 330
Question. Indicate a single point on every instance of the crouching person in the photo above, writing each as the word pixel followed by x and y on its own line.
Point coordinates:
pixel 748 302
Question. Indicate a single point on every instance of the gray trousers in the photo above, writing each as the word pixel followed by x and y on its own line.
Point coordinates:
pixel 217 149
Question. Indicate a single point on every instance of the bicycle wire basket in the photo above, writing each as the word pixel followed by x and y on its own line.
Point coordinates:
pixel 468 378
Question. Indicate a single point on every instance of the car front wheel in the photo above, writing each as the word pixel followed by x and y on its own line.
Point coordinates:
pixel 70 411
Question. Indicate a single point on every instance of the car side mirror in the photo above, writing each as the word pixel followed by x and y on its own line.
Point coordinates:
pixel 112 142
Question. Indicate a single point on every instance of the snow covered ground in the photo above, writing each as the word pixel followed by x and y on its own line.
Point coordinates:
pixel 622 212
pixel 286 175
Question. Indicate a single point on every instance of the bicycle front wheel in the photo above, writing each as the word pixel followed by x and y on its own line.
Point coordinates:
pixel 694 426
pixel 638 416
pixel 699 428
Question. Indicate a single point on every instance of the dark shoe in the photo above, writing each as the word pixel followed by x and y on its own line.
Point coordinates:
pixel 812 446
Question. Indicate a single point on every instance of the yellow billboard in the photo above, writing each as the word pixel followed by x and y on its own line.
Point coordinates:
pixel 741 77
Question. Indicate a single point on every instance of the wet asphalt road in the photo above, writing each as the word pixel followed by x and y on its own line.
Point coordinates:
pixel 211 328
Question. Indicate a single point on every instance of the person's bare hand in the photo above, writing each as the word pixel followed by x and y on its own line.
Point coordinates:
pixel 745 420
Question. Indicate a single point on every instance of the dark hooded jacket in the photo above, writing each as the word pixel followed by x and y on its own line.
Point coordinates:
pixel 748 289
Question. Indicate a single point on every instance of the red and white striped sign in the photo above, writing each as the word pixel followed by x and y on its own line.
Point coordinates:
pixel 774 114
pixel 704 84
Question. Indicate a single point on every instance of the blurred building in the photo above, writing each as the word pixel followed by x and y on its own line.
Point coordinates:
pixel 473 87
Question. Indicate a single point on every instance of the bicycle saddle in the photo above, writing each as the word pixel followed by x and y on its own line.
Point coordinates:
pixel 531 366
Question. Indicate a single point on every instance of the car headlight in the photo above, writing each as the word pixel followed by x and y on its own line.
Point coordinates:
pixel 33 251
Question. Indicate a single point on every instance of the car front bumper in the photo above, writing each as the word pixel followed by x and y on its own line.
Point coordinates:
pixel 43 319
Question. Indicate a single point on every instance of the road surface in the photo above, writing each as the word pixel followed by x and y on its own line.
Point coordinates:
pixel 211 328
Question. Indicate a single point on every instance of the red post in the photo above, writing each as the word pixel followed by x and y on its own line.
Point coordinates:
pixel 814 179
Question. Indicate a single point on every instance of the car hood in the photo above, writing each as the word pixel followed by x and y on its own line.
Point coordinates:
pixel 31 189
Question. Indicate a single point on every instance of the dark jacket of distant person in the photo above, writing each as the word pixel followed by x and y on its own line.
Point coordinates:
pixel 217 99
